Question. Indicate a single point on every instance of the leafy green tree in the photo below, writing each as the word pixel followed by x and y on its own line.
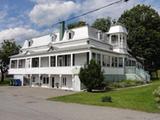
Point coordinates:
pixel 102 24
pixel 8 48
pixel 91 75
pixel 143 24
pixel 76 24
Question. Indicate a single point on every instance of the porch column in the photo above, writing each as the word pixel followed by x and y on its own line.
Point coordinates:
pixel 90 55
pixel 110 61
pixel 30 62
pixel 101 59
pixel 39 77
pixel 56 63
pixel 30 80
pixel 10 63
pixel 49 61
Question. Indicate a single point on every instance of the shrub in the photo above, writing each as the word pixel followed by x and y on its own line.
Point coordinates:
pixel 126 83
pixel 91 76
pixel 107 99
pixel 156 94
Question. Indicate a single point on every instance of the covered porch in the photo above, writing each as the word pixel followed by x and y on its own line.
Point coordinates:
pixel 66 82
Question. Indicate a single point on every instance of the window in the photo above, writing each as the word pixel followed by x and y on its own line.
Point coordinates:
pixel 70 34
pixel 113 62
pixel 44 61
pixel 120 62
pixel 94 56
pixel 45 80
pixel 64 60
pixel 33 79
pixel 53 37
pixel 108 61
pixel 21 63
pixel 53 61
pixel 99 59
pixel 133 63
pixel 116 62
pixel 64 81
pixel 100 35
pixel 30 42
pixel 14 64
pixel 35 62
pixel 114 39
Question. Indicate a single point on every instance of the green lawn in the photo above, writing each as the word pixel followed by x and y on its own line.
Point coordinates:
pixel 132 98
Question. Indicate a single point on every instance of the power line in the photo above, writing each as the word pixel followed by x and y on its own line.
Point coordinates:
pixel 83 14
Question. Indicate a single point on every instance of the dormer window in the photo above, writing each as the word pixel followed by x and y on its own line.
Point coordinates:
pixel 100 35
pixel 30 42
pixel 53 37
pixel 70 35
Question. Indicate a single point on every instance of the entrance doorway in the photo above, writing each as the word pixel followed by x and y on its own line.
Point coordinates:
pixel 52 82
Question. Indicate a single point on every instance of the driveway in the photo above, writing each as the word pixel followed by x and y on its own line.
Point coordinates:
pixel 24 103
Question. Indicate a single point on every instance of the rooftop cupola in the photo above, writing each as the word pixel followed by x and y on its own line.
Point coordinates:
pixel 118 38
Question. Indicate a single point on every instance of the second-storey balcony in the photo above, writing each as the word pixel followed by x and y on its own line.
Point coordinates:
pixel 53 64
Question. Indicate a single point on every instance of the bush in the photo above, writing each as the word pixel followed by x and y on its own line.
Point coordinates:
pixel 126 83
pixel 156 94
pixel 107 99
pixel 5 82
pixel 92 76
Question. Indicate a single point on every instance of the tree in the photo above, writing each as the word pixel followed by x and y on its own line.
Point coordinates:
pixel 102 24
pixel 76 24
pixel 8 48
pixel 91 76
pixel 143 24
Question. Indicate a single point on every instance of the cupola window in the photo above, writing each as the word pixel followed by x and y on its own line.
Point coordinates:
pixel 100 35
pixel 114 39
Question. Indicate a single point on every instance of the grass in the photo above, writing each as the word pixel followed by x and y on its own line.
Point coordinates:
pixel 140 98
pixel 5 83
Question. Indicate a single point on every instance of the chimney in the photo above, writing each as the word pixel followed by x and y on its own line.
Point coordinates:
pixel 62 29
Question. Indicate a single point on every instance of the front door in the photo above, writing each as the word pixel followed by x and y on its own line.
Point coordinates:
pixel 52 82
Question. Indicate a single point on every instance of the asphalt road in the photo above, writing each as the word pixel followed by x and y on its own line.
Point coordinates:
pixel 31 104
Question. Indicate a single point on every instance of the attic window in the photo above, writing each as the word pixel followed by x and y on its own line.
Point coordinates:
pixel 70 34
pixel 53 37
pixel 30 42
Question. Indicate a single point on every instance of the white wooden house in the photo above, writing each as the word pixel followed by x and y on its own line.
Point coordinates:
pixel 54 60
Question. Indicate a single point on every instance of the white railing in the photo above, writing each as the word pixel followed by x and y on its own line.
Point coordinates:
pixel 138 71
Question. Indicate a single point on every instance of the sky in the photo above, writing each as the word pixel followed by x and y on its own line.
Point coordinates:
pixel 25 19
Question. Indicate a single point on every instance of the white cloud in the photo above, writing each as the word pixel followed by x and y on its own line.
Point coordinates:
pixel 18 33
pixel 113 11
pixel 47 13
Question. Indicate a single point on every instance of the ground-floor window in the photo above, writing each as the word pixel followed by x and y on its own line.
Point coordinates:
pixel 45 80
pixel 120 62
pixel 64 81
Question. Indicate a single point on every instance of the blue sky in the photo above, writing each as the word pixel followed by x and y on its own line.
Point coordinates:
pixel 24 19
